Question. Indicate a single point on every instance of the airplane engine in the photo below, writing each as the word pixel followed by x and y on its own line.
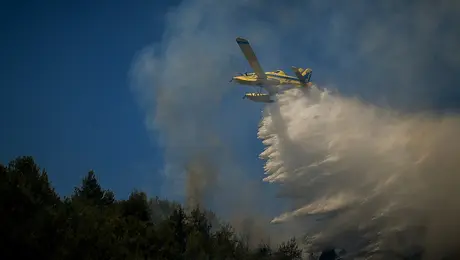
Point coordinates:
pixel 258 97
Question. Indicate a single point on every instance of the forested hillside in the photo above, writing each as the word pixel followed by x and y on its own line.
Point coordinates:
pixel 91 224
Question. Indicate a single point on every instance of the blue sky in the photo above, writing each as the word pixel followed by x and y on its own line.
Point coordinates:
pixel 64 90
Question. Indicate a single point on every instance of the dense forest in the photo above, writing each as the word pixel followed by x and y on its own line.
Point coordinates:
pixel 91 224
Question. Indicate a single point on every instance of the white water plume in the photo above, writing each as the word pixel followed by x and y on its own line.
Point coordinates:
pixel 383 181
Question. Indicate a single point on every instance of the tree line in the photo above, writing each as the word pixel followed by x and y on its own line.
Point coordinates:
pixel 91 224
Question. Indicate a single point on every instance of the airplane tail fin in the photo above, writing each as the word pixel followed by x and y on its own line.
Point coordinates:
pixel 304 75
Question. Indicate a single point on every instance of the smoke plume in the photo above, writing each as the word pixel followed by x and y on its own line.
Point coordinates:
pixel 399 54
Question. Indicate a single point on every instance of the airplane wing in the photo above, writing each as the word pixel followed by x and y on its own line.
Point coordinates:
pixel 251 57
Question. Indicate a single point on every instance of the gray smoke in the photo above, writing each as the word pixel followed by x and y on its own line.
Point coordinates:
pixel 181 84
pixel 201 179
pixel 398 53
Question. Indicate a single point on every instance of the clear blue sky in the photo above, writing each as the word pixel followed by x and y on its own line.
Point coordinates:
pixel 64 89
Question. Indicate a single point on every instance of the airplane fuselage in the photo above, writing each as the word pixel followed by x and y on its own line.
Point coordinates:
pixel 272 79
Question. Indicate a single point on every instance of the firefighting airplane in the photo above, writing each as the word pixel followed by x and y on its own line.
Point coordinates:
pixel 270 81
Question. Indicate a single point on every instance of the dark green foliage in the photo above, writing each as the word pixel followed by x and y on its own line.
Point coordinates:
pixel 92 193
pixel 264 252
pixel 288 250
pixel 37 224
pixel 136 206
pixel 28 212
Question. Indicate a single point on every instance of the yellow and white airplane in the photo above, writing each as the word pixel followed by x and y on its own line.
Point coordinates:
pixel 270 81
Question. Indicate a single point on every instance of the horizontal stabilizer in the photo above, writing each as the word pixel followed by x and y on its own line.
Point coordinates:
pixel 303 75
